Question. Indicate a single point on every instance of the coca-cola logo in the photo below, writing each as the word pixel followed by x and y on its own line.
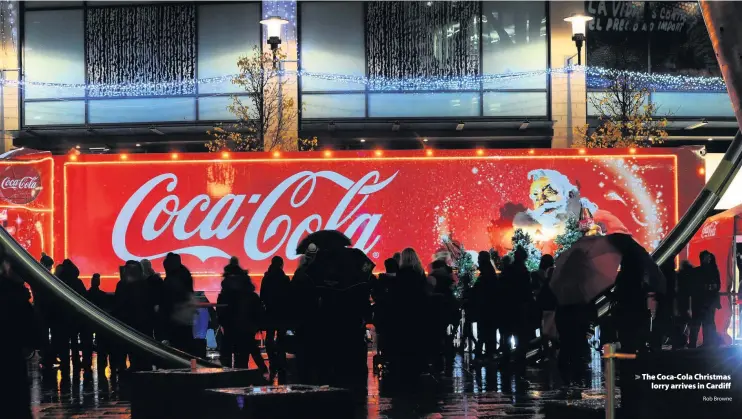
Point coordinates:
pixel 709 230
pixel 20 184
pixel 220 217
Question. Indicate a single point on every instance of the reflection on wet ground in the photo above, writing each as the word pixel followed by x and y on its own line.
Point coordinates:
pixel 467 389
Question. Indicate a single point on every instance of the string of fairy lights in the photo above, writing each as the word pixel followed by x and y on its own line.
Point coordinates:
pixel 596 78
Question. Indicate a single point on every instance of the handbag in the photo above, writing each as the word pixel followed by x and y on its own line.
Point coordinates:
pixel 548 325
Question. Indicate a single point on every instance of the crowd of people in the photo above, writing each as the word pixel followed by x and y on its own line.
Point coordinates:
pixel 419 315
pixel 416 315
pixel 160 309
pixel 168 310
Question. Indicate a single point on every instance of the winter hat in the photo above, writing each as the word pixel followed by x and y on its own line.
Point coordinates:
pixel 46 261
pixel 147 268
pixel 69 270
pixel 172 261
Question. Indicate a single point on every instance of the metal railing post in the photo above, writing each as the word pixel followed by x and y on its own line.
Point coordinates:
pixel 609 351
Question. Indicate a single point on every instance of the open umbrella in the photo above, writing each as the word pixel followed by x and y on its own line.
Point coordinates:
pixel 585 270
pixel 323 239
pixel 640 261
pixel 340 269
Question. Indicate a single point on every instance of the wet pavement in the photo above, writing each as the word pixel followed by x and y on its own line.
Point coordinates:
pixel 467 389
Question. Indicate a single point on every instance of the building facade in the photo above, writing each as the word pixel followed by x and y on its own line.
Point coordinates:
pixel 155 76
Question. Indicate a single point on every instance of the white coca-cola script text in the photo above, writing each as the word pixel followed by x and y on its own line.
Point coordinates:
pixel 291 232
pixel 709 230
pixel 26 182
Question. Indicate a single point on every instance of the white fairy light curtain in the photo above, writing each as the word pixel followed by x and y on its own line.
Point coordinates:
pixel 153 45
pixel 8 25
pixel 422 39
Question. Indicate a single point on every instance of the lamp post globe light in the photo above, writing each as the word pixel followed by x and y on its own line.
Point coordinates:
pixel 578 22
pixel 273 28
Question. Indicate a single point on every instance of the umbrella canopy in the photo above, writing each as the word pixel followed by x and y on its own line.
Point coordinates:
pixel 340 269
pixel 637 260
pixel 324 239
pixel 585 270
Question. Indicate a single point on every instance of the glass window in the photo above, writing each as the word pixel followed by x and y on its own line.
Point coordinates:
pixel 680 43
pixel 411 39
pixel 332 42
pixel 612 40
pixel 513 41
pixel 141 110
pixel 54 53
pixel 515 104
pixel 685 104
pixel 120 3
pixel 215 108
pixel 423 104
pixel 666 37
pixel 334 106
pixel 225 32
pixel 68 112
pixel 594 98
pixel 51 4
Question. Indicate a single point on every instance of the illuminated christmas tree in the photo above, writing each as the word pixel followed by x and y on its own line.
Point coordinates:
pixel 462 262
pixel 524 240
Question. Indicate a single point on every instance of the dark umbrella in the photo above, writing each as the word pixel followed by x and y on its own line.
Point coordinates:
pixel 590 267
pixel 637 255
pixel 324 239
pixel 585 270
pixel 340 269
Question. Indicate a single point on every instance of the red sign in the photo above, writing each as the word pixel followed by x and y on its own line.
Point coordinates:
pixel 19 184
pixel 208 210
pixel 27 202
pixel 709 229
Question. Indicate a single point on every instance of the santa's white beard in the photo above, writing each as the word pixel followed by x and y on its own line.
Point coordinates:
pixel 549 220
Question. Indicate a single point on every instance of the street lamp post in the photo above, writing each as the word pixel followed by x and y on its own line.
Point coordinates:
pixel 578 22
pixel 273 26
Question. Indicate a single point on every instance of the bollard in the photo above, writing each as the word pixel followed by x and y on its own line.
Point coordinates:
pixel 194 365
pixel 609 351
pixel 609 355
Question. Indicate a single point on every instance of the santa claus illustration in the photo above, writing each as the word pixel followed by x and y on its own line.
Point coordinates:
pixel 555 199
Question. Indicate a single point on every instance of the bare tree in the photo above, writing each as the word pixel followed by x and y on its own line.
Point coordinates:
pixel 265 117
pixel 626 116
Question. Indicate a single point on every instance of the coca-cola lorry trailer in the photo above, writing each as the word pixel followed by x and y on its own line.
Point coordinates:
pixel 208 207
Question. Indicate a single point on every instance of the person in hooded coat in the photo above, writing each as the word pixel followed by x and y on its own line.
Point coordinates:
pixel 487 304
pixel 663 324
pixel 66 344
pixel 685 280
pixel 411 323
pixel 176 311
pixel 103 301
pixel 519 300
pixel 275 293
pixel 705 301
pixel 240 313
pixel 380 296
pixel 18 321
pixel 44 311
pixel 156 286
pixel 445 310
pixel 331 322
pixel 135 307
